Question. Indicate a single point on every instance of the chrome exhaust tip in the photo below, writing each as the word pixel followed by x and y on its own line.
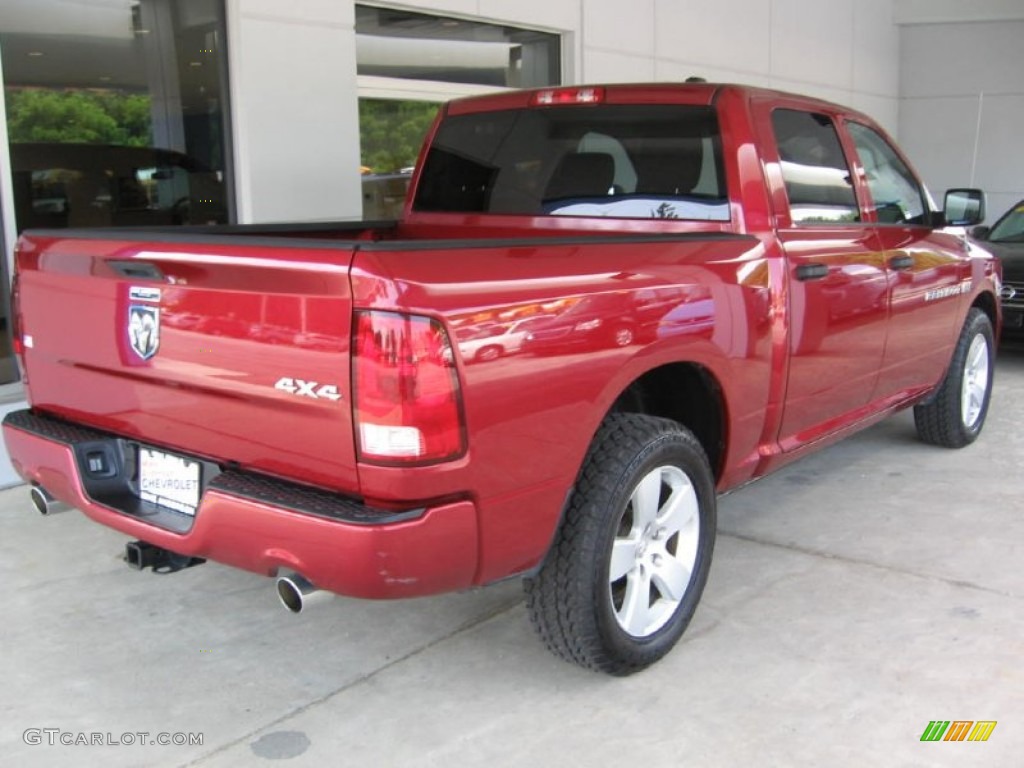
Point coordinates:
pixel 296 592
pixel 44 503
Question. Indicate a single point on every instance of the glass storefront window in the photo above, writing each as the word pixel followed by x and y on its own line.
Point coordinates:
pixel 434 58
pixel 391 42
pixel 391 132
pixel 115 112
pixel 116 116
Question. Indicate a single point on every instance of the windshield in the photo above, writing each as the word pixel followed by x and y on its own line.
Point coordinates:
pixel 622 161
pixel 1010 228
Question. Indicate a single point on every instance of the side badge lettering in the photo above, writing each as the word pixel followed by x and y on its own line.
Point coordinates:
pixel 144 293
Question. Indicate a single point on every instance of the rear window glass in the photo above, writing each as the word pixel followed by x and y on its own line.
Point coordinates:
pixel 622 161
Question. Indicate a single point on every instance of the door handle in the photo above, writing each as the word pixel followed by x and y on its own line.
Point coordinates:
pixel 811 271
pixel 137 270
pixel 901 262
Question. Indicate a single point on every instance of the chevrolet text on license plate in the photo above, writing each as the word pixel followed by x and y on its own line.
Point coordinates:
pixel 169 481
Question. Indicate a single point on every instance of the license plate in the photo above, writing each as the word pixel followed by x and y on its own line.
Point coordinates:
pixel 169 481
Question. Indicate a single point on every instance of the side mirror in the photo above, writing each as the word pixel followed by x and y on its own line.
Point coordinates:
pixel 981 233
pixel 964 207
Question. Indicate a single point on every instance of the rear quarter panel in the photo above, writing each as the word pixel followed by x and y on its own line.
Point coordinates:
pixel 531 413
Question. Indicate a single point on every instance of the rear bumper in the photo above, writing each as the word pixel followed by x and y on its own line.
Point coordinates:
pixel 258 523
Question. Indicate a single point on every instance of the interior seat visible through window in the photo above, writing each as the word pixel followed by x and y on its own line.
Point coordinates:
pixel 584 174
pixel 665 172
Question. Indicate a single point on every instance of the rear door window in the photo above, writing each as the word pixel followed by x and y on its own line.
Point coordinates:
pixel 818 181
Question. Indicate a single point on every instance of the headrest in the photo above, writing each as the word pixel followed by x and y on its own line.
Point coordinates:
pixel 582 174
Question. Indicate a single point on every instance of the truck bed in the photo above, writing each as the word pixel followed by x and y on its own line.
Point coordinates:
pixel 252 316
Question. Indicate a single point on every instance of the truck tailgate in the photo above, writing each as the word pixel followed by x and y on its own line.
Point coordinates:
pixel 236 351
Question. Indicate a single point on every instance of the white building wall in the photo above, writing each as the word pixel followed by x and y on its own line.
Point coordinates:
pixel 294 108
pixel 842 50
pixel 294 89
pixel 962 96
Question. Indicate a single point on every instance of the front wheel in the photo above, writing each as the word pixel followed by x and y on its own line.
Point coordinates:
pixel 955 415
pixel 632 555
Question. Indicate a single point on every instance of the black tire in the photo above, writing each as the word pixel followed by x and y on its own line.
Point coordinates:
pixel 954 416
pixel 623 625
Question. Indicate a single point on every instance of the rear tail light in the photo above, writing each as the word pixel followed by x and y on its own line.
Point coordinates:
pixel 18 342
pixel 408 404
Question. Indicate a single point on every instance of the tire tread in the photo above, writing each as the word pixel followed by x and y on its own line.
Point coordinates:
pixel 938 421
pixel 557 597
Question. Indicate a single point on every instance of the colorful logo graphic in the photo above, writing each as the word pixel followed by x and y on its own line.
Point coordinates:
pixel 959 730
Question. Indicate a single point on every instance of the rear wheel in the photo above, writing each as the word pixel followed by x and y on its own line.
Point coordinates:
pixel 631 558
pixel 954 417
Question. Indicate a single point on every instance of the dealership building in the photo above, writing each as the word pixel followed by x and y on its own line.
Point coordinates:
pixel 168 112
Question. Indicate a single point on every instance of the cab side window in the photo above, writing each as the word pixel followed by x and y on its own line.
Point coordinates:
pixel 818 181
pixel 896 194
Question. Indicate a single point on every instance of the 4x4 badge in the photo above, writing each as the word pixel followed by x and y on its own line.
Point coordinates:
pixel 144 330
pixel 313 389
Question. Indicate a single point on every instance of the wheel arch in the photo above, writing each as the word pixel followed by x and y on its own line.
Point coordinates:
pixel 687 393
pixel 986 302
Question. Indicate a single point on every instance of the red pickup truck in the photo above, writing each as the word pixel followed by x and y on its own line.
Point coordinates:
pixel 697 284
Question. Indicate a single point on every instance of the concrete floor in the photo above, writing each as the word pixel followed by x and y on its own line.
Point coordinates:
pixel 854 597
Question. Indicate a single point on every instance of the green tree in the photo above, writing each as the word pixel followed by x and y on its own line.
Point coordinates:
pixel 391 132
pixel 78 116
pixel 133 113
